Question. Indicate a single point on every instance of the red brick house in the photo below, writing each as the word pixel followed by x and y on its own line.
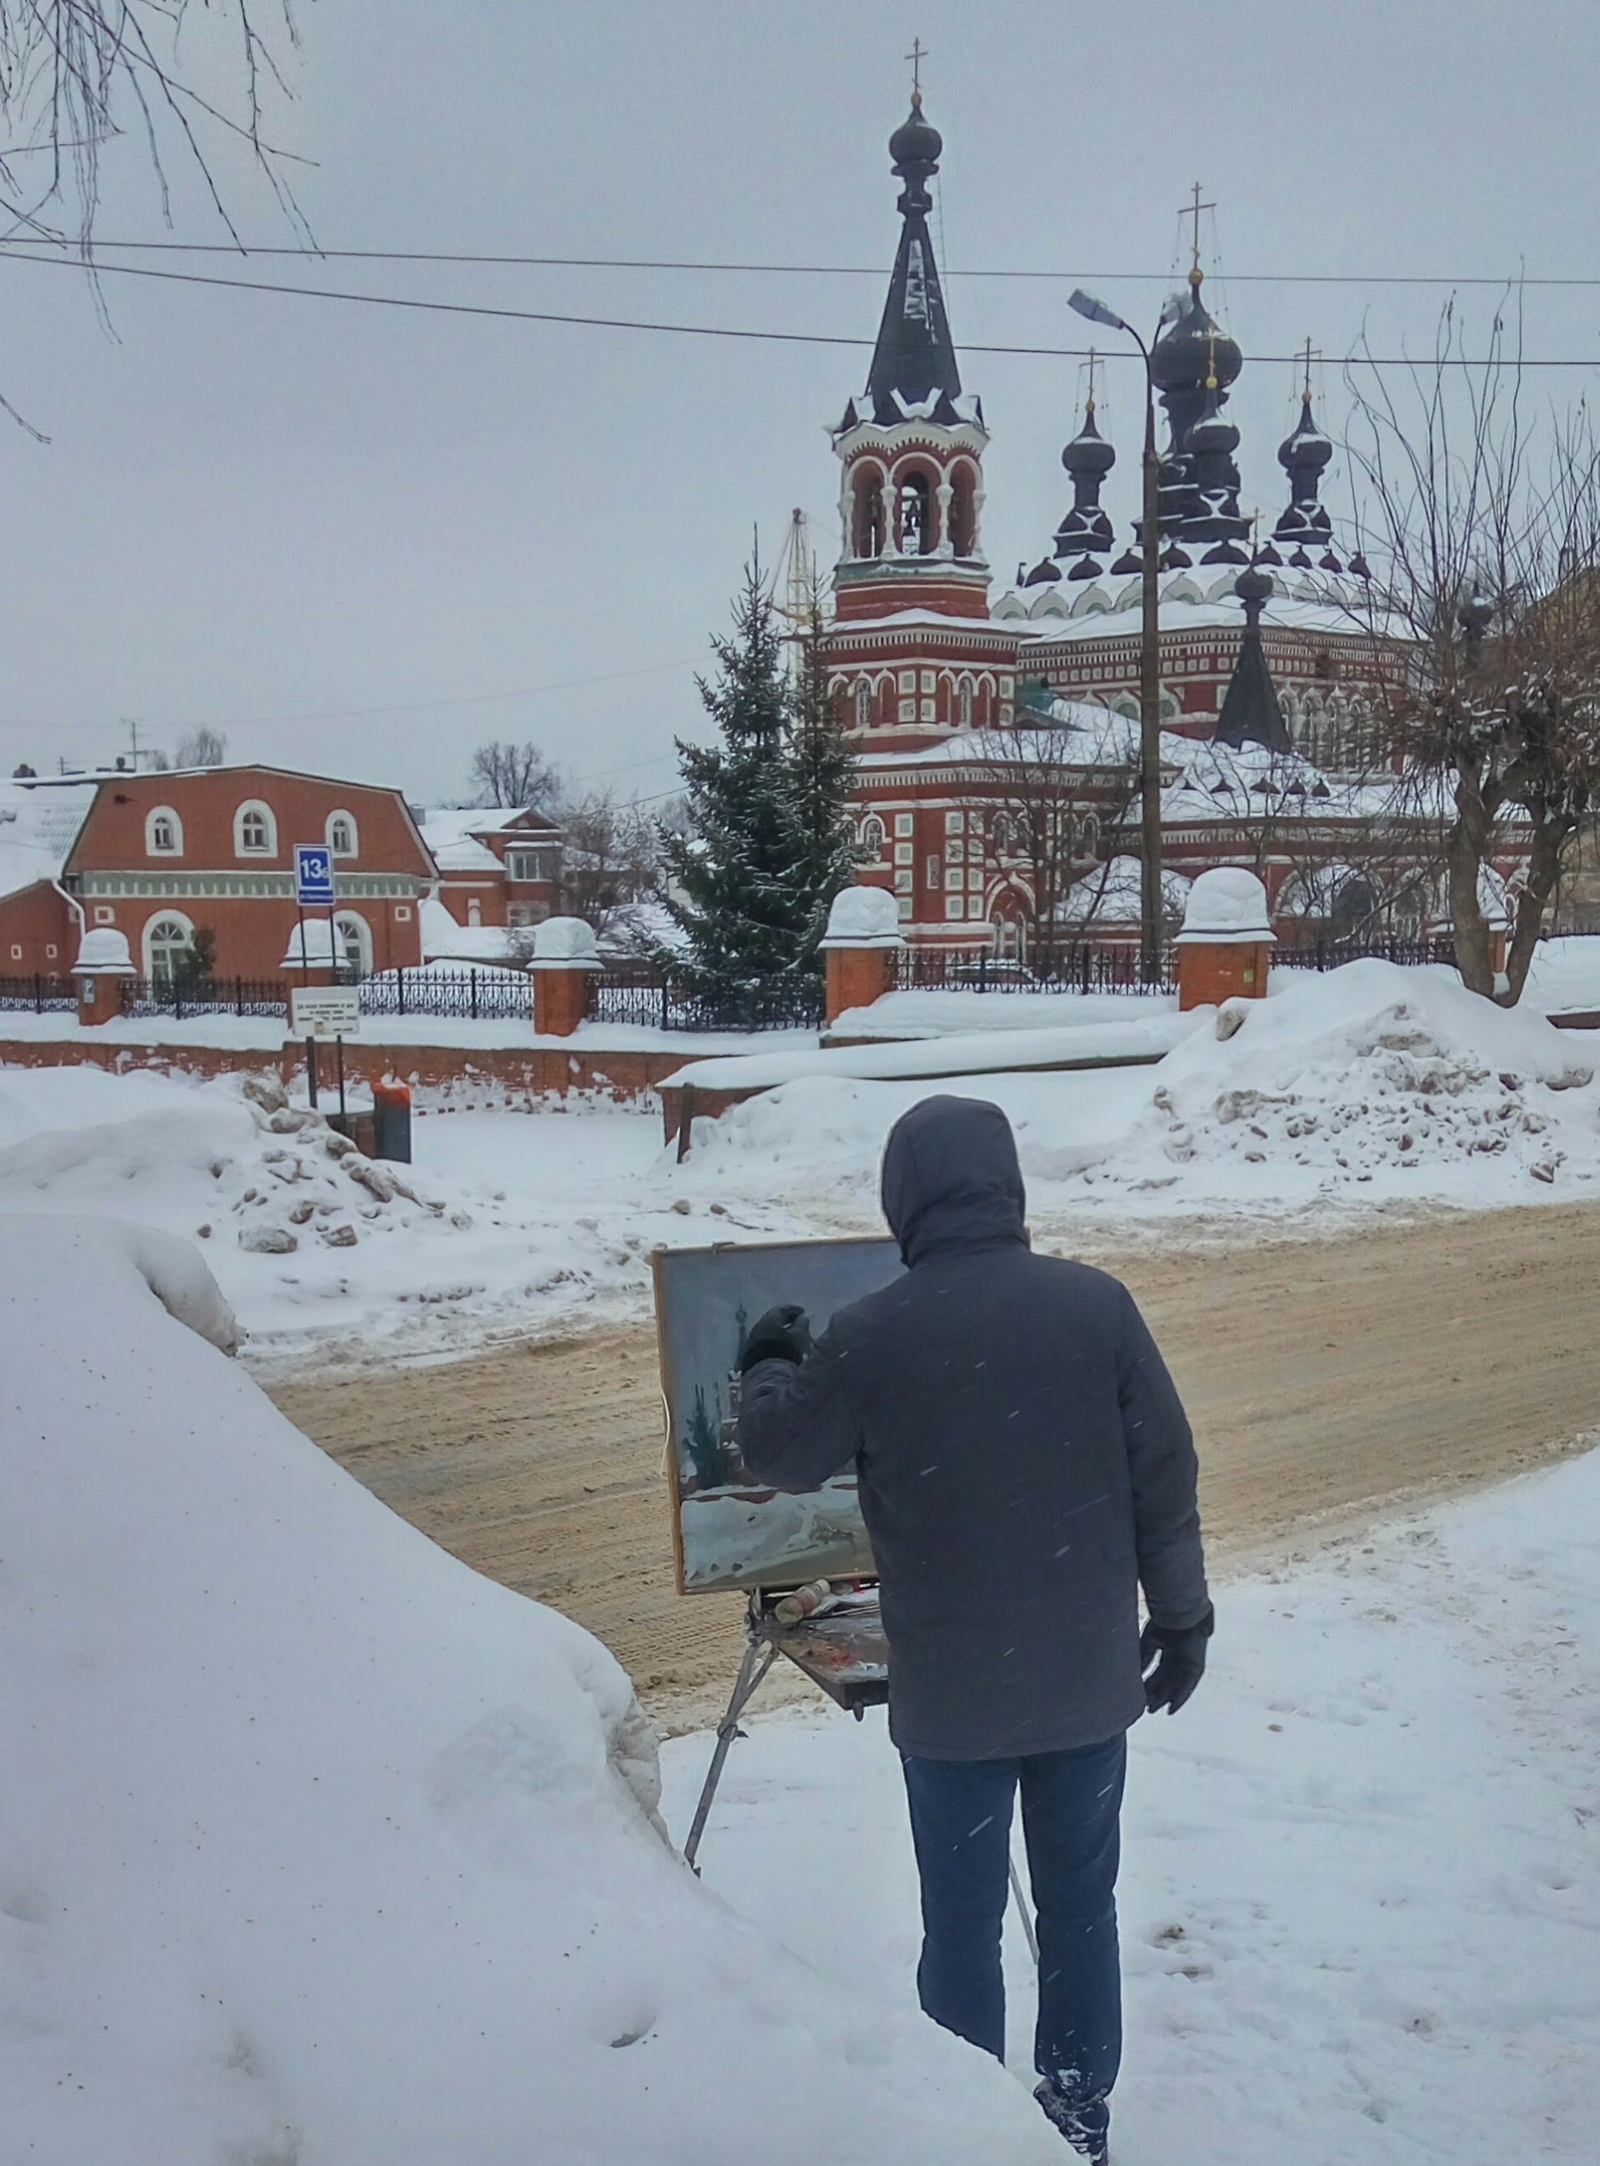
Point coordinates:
pixel 498 866
pixel 164 857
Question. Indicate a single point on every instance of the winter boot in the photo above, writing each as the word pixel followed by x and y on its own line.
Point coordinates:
pixel 1085 2122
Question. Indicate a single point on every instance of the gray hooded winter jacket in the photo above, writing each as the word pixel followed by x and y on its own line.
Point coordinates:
pixel 1025 1464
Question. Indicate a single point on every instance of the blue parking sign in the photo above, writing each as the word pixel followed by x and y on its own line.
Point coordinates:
pixel 313 875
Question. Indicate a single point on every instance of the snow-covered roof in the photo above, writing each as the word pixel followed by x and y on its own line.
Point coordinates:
pixel 39 823
pixel 1190 601
pixel 451 832
pixel 1115 895
pixel 446 941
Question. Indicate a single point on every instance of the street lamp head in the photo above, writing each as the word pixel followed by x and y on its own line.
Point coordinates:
pixel 1096 311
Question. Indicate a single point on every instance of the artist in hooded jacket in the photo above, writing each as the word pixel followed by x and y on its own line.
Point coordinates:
pixel 1025 1470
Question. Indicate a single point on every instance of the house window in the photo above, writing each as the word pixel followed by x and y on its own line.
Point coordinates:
pixel 51 951
pixel 905 909
pixel 255 831
pixel 167 942
pixel 163 833
pixel 955 906
pixel 908 710
pixel 905 853
pixel 930 682
pixel 353 940
pixel 903 882
pixel 955 877
pixel 905 823
pixel 530 865
pixel 343 835
pixel 16 953
pixel 955 850
pixel 908 680
pixel 930 710
pixel 975 876
pixel 474 911
pixel 955 823
pixel 934 872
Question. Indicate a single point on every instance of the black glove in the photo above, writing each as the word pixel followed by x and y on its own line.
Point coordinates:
pixel 1178 1659
pixel 783 1334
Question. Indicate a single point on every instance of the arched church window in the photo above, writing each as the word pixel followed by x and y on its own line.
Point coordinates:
pixel 872 836
pixel 964 703
pixel 914 523
pixel 1088 836
pixel 866 538
pixel 963 513
pixel 863 703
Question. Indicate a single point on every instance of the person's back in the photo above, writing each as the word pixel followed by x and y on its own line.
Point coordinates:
pixel 1025 1466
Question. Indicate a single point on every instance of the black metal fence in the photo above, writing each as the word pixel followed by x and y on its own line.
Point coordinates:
pixel 1332 954
pixel 179 997
pixel 469 996
pixel 1079 969
pixel 637 993
pixel 43 995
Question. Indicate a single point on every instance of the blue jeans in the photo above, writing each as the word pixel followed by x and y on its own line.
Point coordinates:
pixel 961 1826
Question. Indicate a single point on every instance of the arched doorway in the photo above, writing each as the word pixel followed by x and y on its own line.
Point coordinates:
pixel 168 940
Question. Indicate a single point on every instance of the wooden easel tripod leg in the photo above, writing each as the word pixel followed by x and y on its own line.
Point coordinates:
pixel 759 1657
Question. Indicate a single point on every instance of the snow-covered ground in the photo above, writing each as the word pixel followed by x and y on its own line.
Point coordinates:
pixel 1371 1086
pixel 317 1847
pixel 314 1845
pixel 1361 1871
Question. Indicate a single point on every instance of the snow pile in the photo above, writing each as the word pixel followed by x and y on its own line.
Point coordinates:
pixel 1367 1070
pixel 314 1845
pixel 1360 1872
pixel 250 1167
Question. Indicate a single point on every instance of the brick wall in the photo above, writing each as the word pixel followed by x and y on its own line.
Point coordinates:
pixel 38 934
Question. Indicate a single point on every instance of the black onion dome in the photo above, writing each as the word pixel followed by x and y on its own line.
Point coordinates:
pixel 1305 447
pixel 1253 585
pixel 916 142
pixel 1212 432
pixel 1088 453
pixel 1192 348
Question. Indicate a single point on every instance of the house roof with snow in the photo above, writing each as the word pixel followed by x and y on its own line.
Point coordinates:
pixel 454 833
pixel 39 823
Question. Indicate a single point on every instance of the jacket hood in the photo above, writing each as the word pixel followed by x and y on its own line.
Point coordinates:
pixel 951 1178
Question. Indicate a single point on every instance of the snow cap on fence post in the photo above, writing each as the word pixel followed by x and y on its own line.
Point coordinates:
pixel 859 948
pixel 102 953
pixel 565 952
pixel 1226 939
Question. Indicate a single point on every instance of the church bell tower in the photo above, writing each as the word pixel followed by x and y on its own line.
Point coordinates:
pixel 912 445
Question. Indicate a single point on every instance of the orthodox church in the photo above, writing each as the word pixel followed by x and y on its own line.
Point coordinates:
pixel 1263 650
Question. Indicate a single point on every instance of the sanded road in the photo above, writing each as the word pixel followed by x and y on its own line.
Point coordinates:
pixel 1329 1381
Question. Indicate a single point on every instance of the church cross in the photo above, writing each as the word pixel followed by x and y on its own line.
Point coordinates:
pixel 1193 210
pixel 1307 358
pixel 917 55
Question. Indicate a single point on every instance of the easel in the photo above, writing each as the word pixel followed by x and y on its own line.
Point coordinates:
pixel 844 1653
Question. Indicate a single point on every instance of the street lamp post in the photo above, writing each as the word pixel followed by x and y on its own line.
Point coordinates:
pixel 1150 911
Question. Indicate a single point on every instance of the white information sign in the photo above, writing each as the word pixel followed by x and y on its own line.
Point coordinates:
pixel 324 1011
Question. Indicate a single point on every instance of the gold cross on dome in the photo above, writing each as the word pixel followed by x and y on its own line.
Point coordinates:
pixel 917 55
pixel 1193 210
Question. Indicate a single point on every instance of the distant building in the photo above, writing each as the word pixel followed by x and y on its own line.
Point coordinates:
pixel 498 867
pixel 163 858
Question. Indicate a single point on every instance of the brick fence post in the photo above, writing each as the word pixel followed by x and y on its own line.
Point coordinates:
pixel 1225 947
pixel 103 963
pixel 565 957
pixel 859 948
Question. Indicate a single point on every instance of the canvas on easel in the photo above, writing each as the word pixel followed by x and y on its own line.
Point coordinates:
pixel 729 1530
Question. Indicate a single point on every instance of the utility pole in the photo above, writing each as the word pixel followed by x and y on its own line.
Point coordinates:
pixel 1150 912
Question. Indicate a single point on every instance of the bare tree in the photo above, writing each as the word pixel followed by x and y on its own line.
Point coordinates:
pixel 1049 795
pixel 202 747
pixel 76 74
pixel 610 857
pixel 1482 528
pixel 512 776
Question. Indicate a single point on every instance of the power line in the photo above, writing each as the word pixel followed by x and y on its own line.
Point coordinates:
pixel 705 330
pixel 23 242
pixel 414 706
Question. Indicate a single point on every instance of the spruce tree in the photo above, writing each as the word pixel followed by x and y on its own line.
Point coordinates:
pixel 820 765
pixel 768 843
pixel 735 887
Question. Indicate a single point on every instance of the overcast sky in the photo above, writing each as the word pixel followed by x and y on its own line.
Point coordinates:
pixel 256 509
